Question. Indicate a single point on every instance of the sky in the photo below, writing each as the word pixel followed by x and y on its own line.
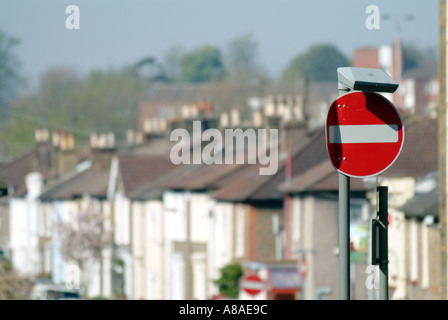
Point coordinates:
pixel 114 33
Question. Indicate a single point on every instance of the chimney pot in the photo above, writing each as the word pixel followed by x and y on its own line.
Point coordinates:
pixel 147 125
pixel 155 124
pixel 71 142
pixel 139 138
pixel 185 111
pixel 194 111
pixel 130 136
pixel 162 124
pixel 224 119
pixel 63 141
pixel 110 140
pixel 94 140
pixel 38 135
pixel 56 139
pixel 102 141
pixel 258 121
pixel 45 135
pixel 235 117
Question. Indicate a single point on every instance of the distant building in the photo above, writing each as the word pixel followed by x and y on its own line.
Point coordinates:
pixel 418 91
pixel 313 231
pixel 381 57
pixel 386 57
pixel 140 221
pixel 405 179
pixel 423 242
pixel 62 200
pixel 24 231
pixel 175 226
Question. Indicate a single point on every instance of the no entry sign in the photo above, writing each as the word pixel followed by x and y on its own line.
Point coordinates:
pixel 364 134
pixel 252 284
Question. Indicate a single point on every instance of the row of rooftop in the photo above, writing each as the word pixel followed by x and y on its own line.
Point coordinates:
pixel 62 168
pixel 146 173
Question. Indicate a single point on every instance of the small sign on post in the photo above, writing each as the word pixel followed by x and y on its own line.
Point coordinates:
pixel 252 284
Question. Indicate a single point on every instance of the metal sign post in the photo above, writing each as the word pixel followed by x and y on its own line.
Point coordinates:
pixel 349 139
pixel 344 231
pixel 380 255
pixel 383 242
pixel 344 237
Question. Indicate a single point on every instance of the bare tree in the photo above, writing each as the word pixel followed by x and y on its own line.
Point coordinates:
pixel 82 239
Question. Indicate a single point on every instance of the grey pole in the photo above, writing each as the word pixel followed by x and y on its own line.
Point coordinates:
pixel 344 237
pixel 344 227
pixel 383 242
pixel 369 80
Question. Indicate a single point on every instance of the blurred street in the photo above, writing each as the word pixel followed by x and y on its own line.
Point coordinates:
pixel 182 153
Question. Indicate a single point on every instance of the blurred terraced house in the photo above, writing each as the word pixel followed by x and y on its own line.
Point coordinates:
pixel 139 215
pixel 25 232
pixel 423 256
pixel 63 201
pixel 175 227
pixel 415 268
pixel 312 236
pixel 200 234
pixel 108 176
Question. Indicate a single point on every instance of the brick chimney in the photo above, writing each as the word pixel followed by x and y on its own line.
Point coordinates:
pixel 133 138
pixel 46 159
pixel 234 117
pixel 224 120
pixel 103 147
pixel 66 157
pixel 102 142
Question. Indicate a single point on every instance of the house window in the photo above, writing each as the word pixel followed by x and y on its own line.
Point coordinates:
pixel 359 230
pixel 152 285
pixel 409 99
pixel 434 87
pixel 426 110
pixel 413 266
pixel 239 247
pixel 358 211
pixel 153 225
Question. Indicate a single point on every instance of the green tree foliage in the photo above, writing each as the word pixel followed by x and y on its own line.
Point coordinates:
pixel 228 283
pixel 171 63
pixel 241 60
pixel 245 76
pixel 99 102
pixel 47 107
pixel 108 100
pixel 412 56
pixel 317 64
pixel 150 70
pixel 200 65
pixel 9 68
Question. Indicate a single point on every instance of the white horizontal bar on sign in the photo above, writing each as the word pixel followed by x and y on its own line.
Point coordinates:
pixel 253 285
pixel 371 133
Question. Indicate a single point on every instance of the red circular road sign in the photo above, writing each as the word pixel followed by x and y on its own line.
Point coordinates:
pixel 252 284
pixel 364 134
